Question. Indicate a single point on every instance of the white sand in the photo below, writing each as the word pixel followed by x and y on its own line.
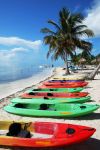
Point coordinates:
pixel 92 120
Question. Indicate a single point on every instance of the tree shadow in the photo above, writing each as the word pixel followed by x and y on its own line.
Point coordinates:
pixel 88 87
pixel 96 79
pixel 91 116
pixel 92 143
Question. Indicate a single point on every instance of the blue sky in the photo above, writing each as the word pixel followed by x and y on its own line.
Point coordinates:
pixel 21 43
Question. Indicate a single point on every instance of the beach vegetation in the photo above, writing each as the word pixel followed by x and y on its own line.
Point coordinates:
pixel 67 36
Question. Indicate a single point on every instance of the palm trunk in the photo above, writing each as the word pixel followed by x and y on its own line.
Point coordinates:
pixel 67 68
pixel 66 63
pixel 92 75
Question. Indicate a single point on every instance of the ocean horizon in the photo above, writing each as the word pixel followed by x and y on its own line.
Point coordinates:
pixel 13 74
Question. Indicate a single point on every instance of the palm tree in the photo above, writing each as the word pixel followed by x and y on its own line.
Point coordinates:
pixel 92 74
pixel 66 37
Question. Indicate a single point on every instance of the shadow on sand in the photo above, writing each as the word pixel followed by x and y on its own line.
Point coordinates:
pixel 88 87
pixel 92 144
pixel 86 117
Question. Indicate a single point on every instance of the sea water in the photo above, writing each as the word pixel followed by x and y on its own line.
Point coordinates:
pixel 14 81
pixel 13 74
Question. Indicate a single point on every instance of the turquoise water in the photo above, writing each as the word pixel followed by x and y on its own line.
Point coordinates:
pixel 7 87
pixel 13 74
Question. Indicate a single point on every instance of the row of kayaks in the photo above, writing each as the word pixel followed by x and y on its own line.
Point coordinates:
pixel 53 102
pixel 55 98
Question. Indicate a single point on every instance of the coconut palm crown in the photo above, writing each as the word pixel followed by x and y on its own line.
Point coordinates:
pixel 67 36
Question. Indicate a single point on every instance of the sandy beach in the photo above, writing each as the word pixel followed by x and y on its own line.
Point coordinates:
pixel 92 120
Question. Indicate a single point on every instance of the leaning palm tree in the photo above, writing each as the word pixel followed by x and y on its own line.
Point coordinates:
pixel 93 73
pixel 66 37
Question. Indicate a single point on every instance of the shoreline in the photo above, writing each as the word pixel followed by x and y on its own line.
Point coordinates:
pixel 92 120
pixel 12 88
pixel 5 100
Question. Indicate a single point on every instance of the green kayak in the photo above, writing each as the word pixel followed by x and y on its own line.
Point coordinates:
pixel 48 100
pixel 51 110
pixel 67 90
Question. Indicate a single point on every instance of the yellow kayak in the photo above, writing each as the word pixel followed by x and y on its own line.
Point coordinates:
pixel 69 77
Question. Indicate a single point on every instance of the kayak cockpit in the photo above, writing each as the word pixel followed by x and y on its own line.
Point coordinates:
pixel 26 130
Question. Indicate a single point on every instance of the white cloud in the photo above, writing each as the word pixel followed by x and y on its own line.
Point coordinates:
pixel 16 41
pixel 93 18
pixel 5 55
pixel 16 47
pixel 19 49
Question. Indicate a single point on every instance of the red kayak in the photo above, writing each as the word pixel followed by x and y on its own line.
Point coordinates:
pixel 45 134
pixel 63 85
pixel 59 83
pixel 54 95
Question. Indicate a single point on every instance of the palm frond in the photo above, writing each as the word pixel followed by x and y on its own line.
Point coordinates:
pixel 86 32
pixel 47 30
pixel 53 23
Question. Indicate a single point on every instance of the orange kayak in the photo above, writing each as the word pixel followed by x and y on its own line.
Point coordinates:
pixel 59 95
pixel 65 84
pixel 44 134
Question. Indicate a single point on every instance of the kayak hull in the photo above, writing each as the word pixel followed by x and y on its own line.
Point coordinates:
pixel 58 134
pixel 50 110
pixel 55 95
pixel 60 90
pixel 63 85
pixel 73 77
pixel 47 100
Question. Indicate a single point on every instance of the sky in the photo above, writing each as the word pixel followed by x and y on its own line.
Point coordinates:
pixel 21 42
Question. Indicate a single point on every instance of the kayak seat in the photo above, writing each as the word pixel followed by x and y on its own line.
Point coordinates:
pixel 62 81
pixel 82 107
pixel 46 107
pixel 43 107
pixel 18 105
pixel 16 130
pixel 31 93
pixel 51 89
pixel 49 94
pixel 36 89
pixel 46 98
pixel 77 94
